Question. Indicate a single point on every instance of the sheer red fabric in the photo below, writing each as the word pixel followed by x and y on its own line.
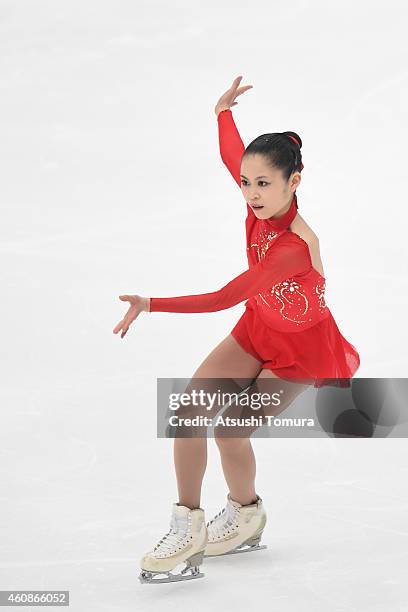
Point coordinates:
pixel 288 258
pixel 319 355
pixel 287 324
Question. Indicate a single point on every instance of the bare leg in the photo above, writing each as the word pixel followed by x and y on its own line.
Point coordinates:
pixel 237 455
pixel 227 360
pixel 239 467
pixel 190 461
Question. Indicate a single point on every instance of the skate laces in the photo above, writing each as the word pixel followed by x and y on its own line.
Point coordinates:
pixel 178 531
pixel 222 521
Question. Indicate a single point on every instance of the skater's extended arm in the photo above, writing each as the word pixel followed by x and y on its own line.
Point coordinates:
pixel 288 257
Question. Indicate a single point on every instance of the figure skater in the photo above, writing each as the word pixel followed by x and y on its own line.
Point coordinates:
pixel 286 333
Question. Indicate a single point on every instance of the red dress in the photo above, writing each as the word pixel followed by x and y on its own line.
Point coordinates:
pixel 287 324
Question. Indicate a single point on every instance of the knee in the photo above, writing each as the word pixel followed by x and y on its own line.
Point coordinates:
pixel 229 444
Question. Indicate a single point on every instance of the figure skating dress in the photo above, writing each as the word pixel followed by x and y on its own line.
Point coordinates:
pixel 287 324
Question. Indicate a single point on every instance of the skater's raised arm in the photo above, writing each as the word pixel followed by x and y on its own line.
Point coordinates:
pixel 231 146
pixel 230 143
pixel 288 257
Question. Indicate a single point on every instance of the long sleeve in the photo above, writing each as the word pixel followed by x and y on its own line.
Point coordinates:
pixel 231 146
pixel 288 257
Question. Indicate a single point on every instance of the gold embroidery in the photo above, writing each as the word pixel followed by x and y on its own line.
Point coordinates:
pixel 290 299
pixel 264 242
pixel 288 296
pixel 320 290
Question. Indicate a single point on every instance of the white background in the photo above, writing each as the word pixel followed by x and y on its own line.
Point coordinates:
pixel 111 183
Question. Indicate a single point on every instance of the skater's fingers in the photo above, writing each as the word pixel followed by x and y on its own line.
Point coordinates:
pixel 126 298
pixel 126 326
pixel 241 90
pixel 125 321
pixel 131 315
pixel 236 82
pixel 231 91
pixel 118 327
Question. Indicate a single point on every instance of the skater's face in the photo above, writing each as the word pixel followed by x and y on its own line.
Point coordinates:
pixel 265 186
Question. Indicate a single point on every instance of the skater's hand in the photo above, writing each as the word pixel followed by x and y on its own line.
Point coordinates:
pixel 228 98
pixel 138 304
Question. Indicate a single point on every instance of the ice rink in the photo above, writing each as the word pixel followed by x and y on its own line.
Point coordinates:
pixel 112 183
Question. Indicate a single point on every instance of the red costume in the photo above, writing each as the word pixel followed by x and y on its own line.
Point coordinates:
pixel 286 325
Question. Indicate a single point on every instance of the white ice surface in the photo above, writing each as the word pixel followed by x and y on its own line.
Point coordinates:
pixel 111 183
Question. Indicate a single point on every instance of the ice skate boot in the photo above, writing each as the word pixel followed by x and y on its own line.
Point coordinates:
pixel 236 529
pixel 184 543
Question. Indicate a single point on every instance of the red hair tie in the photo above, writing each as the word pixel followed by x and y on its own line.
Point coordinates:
pixel 294 140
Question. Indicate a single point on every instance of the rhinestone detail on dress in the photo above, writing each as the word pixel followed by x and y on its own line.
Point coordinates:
pixel 288 297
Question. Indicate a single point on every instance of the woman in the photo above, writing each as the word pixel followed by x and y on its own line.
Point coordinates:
pixel 287 333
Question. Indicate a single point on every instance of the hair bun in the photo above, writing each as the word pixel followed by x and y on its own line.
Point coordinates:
pixel 294 138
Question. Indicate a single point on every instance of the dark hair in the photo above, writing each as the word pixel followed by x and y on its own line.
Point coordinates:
pixel 280 151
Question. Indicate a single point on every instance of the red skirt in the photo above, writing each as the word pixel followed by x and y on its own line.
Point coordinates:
pixel 319 355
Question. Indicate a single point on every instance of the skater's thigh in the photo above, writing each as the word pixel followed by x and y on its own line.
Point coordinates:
pixel 275 387
pixel 226 371
pixel 229 360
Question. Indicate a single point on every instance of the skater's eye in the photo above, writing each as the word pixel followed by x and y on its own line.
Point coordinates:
pixel 243 181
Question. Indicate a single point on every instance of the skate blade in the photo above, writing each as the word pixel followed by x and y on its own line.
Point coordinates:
pixel 149 577
pixel 189 572
pixel 235 551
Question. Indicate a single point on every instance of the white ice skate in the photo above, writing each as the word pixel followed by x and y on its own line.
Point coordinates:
pixel 236 529
pixel 184 543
